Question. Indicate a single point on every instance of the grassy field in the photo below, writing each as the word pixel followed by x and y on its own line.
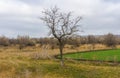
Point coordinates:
pixel 107 55
pixel 22 65
pixel 29 63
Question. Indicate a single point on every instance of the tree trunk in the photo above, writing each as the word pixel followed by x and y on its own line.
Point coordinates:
pixel 61 54
pixel 61 57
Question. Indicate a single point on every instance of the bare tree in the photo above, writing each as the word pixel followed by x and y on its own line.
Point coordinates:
pixel 91 40
pixel 61 26
pixel 110 40
pixel 25 41
pixel 4 41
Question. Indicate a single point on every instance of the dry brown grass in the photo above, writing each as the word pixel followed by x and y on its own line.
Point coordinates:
pixel 15 63
pixel 10 53
pixel 118 46
pixel 45 50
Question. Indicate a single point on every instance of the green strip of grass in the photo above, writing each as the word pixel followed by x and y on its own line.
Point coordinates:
pixel 108 55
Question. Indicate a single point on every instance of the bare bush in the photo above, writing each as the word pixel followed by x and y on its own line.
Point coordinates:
pixel 4 41
pixel 110 40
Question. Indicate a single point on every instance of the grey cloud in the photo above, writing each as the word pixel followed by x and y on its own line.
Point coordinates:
pixel 32 2
pixel 99 16
pixel 13 28
pixel 114 1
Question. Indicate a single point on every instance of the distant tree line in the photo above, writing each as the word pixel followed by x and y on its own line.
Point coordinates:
pixel 109 40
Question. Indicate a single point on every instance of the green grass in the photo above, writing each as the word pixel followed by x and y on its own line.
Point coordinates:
pixel 107 55
pixel 52 69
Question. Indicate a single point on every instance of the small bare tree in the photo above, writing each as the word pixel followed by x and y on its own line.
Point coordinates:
pixel 61 26
pixel 91 39
pixel 110 40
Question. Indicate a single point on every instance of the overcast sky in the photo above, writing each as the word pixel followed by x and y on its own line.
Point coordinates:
pixel 21 17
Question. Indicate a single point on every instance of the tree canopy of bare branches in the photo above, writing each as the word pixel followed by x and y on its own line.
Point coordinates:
pixel 61 26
